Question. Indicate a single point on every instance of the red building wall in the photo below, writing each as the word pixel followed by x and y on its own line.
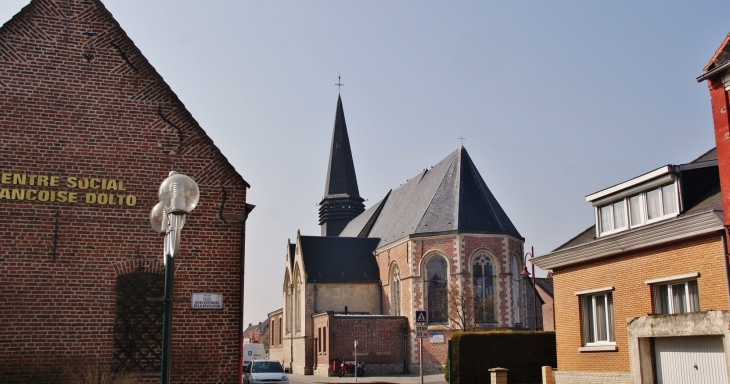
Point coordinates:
pixel 80 108
pixel 380 341
pixel 721 119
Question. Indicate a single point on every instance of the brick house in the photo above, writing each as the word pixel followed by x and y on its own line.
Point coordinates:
pixel 256 333
pixel 88 131
pixel 276 333
pixel 642 295
pixel 544 287
pixel 440 236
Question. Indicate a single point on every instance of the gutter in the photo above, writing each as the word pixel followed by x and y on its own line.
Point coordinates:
pixel 241 274
pixel 713 72
pixel 654 234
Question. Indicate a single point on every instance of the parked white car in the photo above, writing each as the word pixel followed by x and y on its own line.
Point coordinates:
pixel 264 372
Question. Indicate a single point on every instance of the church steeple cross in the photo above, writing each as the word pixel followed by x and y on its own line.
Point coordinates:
pixel 462 138
pixel 339 83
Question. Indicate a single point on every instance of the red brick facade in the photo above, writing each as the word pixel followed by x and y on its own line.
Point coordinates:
pixel 459 249
pixel 88 131
pixel 721 119
pixel 381 342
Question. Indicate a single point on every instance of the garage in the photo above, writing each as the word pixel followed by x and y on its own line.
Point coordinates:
pixel 690 359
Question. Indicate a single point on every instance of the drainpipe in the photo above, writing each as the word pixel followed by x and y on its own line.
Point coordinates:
pixel 242 273
pixel 725 236
pixel 291 329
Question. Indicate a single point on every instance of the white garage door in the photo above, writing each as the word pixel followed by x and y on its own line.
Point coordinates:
pixel 690 360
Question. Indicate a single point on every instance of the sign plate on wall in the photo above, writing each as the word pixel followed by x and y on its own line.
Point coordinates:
pixel 206 301
pixel 421 331
pixel 436 338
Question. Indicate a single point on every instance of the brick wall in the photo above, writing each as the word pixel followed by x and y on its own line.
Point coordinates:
pixel 631 296
pixel 380 341
pixel 74 110
pixel 720 104
pixel 548 310
pixel 276 330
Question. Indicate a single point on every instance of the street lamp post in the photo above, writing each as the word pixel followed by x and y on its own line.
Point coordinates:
pixel 178 195
pixel 534 289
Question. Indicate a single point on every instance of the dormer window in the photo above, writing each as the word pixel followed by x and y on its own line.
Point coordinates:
pixel 639 209
pixel 613 217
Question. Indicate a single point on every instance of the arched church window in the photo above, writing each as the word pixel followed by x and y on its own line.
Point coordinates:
pixel 483 279
pixel 288 294
pixel 395 291
pixel 516 291
pixel 297 302
pixel 436 289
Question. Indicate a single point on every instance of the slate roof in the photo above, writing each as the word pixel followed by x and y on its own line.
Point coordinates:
pixel 260 327
pixel 341 178
pixel 546 284
pixel 449 197
pixel 700 193
pixel 339 259
pixel 707 156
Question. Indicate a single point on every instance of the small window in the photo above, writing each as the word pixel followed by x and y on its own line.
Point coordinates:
pixel 676 297
pixel 324 339
pixel 636 206
pixel 597 319
pixel 613 217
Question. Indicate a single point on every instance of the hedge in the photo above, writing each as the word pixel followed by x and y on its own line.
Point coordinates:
pixel 523 353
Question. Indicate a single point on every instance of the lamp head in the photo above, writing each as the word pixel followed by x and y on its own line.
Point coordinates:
pixel 179 193
pixel 158 218
pixel 524 271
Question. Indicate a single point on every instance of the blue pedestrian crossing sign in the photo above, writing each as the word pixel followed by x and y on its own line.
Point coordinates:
pixel 421 317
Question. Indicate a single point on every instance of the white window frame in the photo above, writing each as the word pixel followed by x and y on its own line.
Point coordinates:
pixel 613 223
pixel 644 211
pixel 670 282
pixel 599 345
pixel 663 216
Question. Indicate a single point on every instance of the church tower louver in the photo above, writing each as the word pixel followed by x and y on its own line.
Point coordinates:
pixel 342 201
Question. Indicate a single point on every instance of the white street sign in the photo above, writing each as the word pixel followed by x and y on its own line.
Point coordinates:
pixel 421 331
pixel 206 301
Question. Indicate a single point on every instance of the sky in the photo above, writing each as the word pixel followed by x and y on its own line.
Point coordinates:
pixel 555 100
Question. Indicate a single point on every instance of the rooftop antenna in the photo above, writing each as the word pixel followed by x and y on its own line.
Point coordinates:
pixel 462 138
pixel 339 83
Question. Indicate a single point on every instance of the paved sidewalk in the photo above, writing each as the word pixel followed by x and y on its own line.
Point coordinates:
pixel 395 379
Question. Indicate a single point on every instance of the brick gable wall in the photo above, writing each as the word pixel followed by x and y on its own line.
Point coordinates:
pixel 91 107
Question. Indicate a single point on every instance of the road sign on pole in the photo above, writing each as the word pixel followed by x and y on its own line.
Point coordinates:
pixel 421 331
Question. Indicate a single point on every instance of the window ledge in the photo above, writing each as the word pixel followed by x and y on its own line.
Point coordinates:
pixel 598 348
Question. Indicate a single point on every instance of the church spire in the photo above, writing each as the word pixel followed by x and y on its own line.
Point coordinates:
pixel 342 201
